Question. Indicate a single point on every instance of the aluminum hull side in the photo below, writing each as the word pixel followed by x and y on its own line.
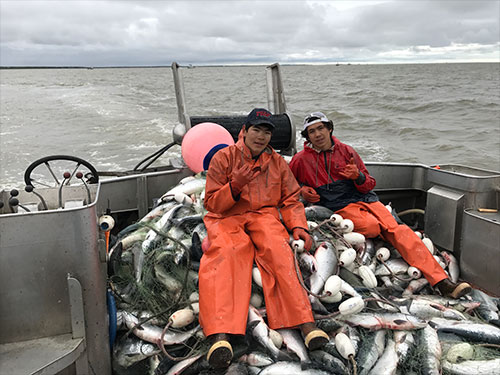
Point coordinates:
pixel 37 250
pixel 453 197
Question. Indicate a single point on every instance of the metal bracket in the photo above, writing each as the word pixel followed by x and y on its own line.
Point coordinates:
pixel 142 196
pixel 76 307
pixel 77 320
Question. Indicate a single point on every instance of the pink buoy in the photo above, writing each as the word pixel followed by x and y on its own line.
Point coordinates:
pixel 201 142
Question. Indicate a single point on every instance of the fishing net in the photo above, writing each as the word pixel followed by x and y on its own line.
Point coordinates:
pixel 486 352
pixel 417 355
pixel 414 360
pixel 158 280
pixel 480 352
pixel 156 275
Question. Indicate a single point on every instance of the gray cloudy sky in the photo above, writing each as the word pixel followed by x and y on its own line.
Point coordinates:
pixel 120 33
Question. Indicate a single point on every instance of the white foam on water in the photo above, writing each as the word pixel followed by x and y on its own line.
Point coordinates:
pixel 142 146
pixel 429 113
pixel 371 151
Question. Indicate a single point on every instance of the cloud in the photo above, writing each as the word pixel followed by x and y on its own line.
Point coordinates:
pixel 207 32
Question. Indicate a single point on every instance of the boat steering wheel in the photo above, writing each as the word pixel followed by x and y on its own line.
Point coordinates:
pixel 91 174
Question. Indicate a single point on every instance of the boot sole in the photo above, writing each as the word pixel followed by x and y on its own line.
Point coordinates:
pixel 316 339
pixel 461 290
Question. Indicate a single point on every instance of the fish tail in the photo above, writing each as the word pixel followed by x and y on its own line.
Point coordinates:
pixel 282 356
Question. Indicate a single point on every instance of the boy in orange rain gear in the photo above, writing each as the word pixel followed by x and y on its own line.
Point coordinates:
pixel 248 186
pixel 333 175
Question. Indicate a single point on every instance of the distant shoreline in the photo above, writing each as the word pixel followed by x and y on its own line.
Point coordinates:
pixel 84 67
pixel 190 66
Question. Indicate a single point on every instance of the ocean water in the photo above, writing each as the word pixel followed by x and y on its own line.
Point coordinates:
pixel 115 117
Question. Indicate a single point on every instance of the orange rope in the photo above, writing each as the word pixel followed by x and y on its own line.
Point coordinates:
pixel 106 234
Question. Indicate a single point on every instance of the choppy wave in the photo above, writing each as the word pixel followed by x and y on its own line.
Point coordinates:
pixel 432 113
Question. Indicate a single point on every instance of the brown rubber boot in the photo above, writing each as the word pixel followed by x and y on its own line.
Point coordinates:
pixel 314 338
pixel 453 290
pixel 220 354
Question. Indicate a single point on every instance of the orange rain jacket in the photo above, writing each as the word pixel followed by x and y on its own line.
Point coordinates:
pixel 245 230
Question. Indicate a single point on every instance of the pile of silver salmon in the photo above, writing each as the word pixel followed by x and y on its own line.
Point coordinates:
pixel 381 315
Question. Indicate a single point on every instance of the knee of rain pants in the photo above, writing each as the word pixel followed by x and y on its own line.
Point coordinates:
pixel 225 276
pixel 408 244
pixel 363 220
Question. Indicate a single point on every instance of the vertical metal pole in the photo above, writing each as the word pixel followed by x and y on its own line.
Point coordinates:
pixel 179 96
pixel 275 93
pixel 277 103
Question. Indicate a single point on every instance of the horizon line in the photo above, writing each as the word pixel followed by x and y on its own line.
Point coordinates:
pixel 190 65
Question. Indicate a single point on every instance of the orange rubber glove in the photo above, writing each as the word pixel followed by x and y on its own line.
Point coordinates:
pixel 350 171
pixel 309 194
pixel 242 177
pixel 300 233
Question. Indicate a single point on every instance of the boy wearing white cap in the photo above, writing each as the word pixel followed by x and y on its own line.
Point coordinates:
pixel 333 175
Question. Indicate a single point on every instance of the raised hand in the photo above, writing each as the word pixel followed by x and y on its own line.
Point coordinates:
pixel 242 177
pixel 350 171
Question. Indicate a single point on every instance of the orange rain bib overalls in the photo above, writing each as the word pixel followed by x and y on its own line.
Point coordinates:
pixel 248 230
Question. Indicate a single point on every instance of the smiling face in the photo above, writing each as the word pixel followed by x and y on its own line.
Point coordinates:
pixel 257 137
pixel 320 136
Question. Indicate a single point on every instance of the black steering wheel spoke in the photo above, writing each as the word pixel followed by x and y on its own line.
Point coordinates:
pixel 73 173
pixel 46 161
pixel 51 172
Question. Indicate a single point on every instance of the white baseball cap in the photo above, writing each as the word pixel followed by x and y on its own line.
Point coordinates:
pixel 315 118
